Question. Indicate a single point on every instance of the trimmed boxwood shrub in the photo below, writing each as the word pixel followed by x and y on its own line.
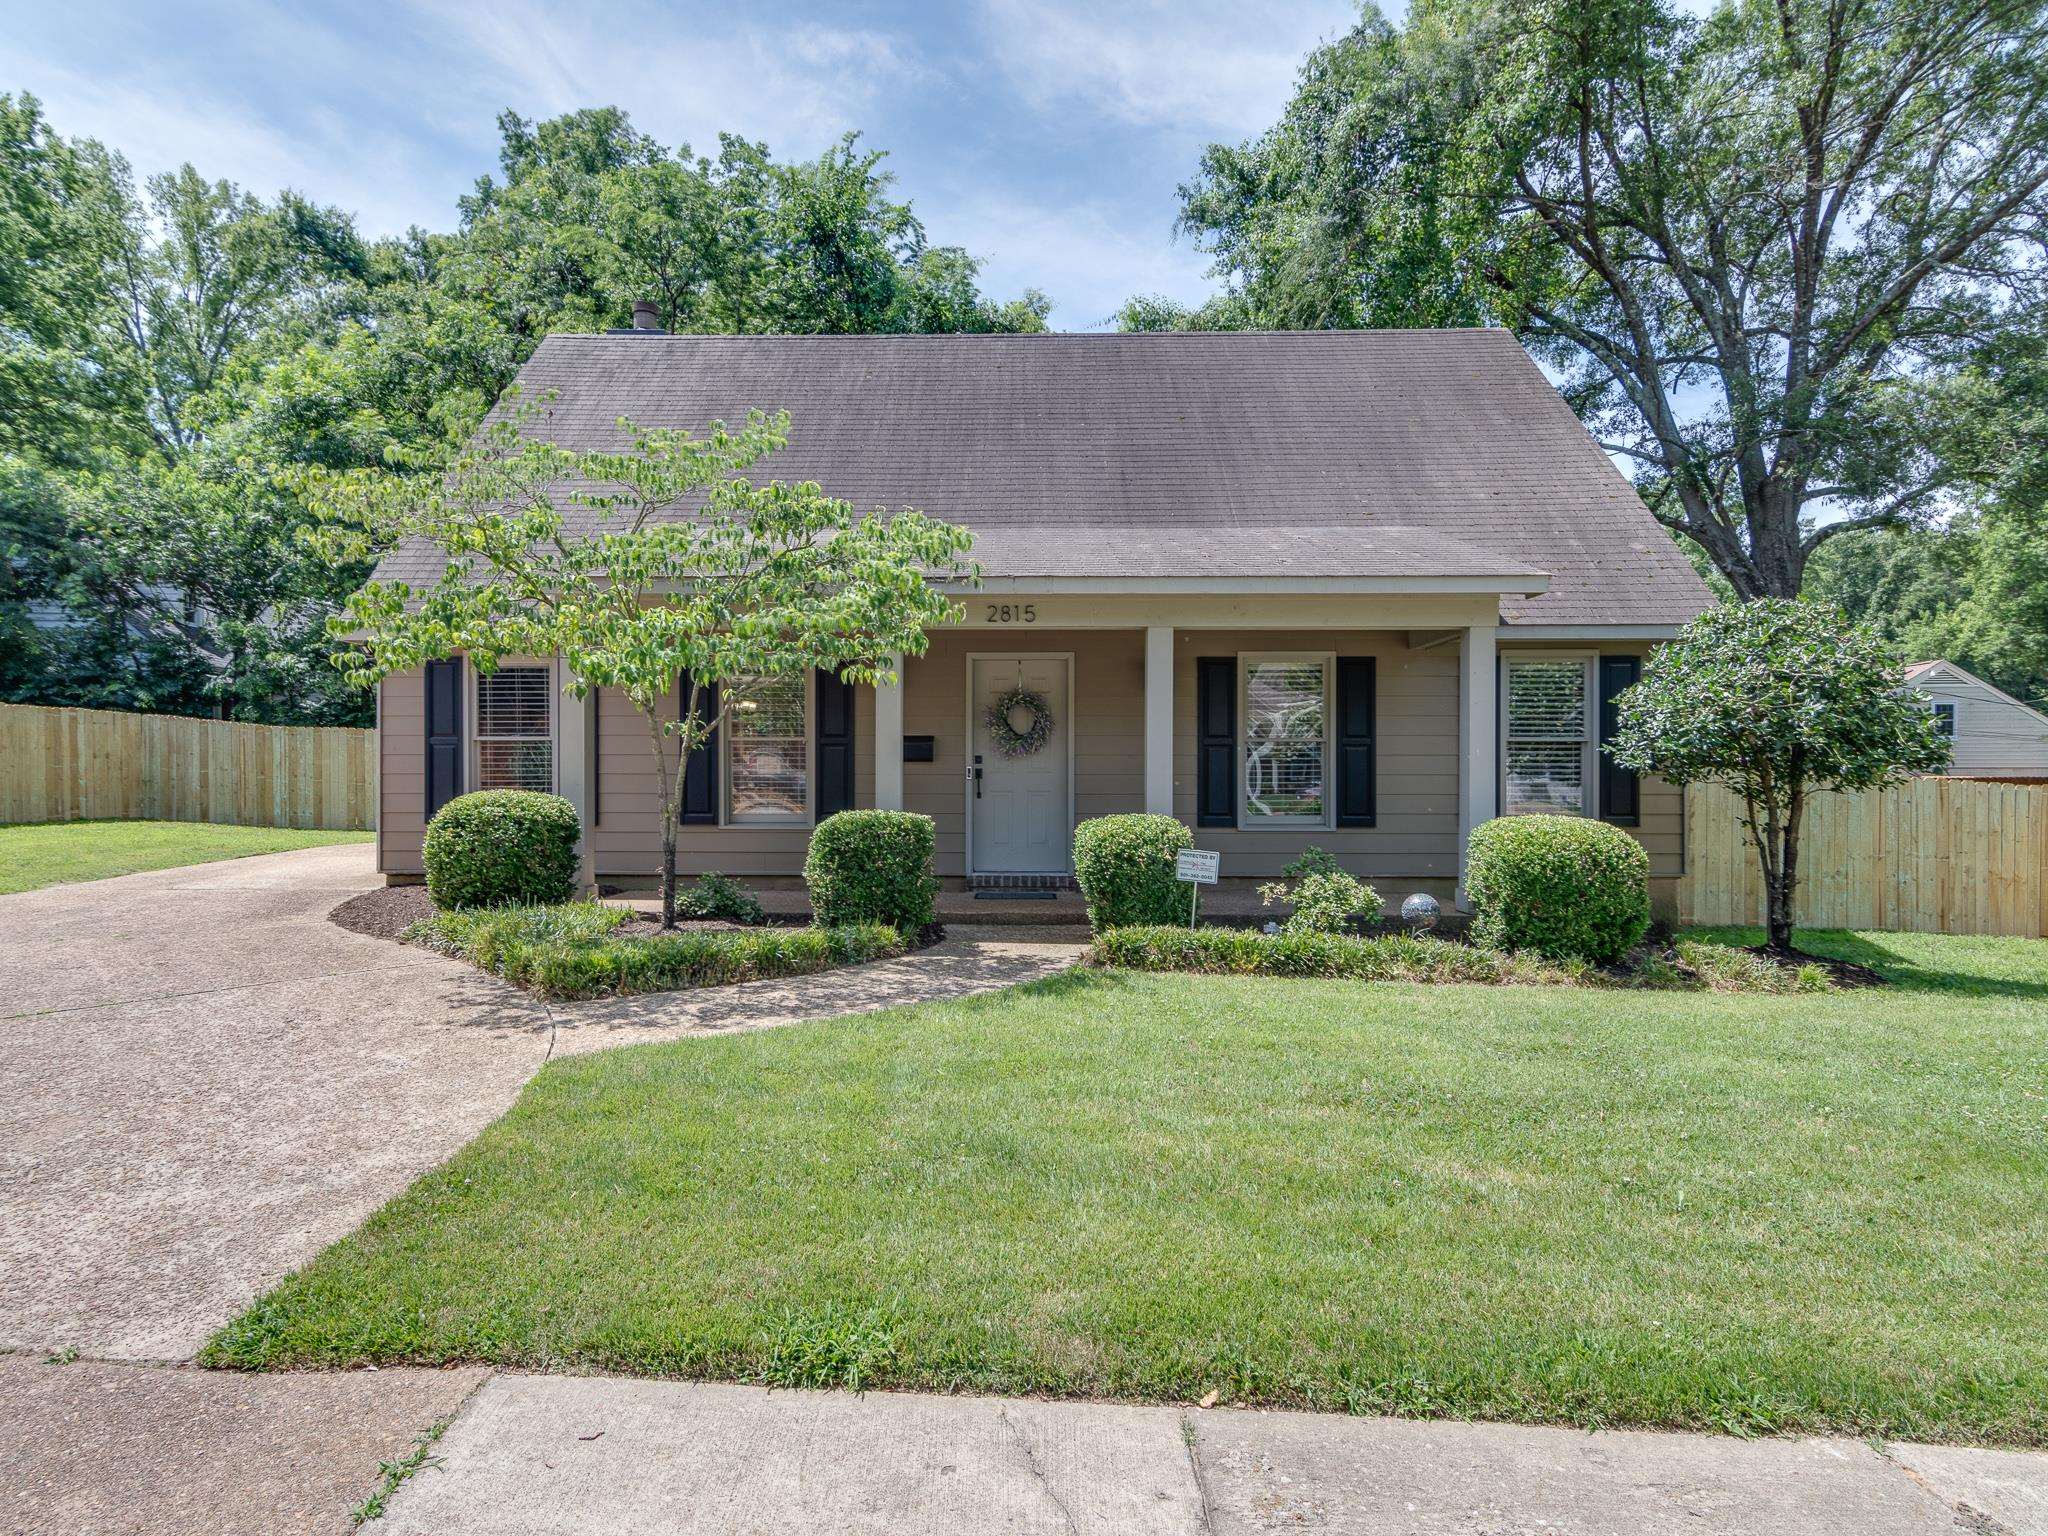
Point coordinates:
pixel 1563 886
pixel 502 847
pixel 1124 866
pixel 872 867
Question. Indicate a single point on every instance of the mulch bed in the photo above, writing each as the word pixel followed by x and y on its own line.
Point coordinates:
pixel 1846 973
pixel 387 912
pixel 384 913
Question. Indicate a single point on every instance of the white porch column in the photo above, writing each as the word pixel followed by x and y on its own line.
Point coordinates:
pixel 1478 768
pixel 1159 719
pixel 889 742
pixel 576 774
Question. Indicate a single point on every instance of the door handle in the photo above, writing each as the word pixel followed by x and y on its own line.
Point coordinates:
pixel 977 775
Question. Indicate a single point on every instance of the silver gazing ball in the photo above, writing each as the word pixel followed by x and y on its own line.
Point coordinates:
pixel 1420 912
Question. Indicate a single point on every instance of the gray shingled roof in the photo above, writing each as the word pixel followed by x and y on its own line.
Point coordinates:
pixel 1379 452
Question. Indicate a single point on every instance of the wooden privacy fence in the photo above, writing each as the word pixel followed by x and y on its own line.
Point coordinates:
pixel 67 764
pixel 1935 855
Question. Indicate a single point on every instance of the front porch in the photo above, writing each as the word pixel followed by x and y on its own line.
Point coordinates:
pixel 1363 724
pixel 1157 704
pixel 1163 718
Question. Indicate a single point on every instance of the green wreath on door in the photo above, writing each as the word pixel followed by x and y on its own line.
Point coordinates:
pixel 1002 729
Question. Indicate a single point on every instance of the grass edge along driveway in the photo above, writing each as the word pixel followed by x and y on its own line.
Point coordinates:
pixel 43 853
pixel 1814 1213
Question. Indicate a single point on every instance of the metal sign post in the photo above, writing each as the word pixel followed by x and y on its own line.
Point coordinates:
pixel 1197 866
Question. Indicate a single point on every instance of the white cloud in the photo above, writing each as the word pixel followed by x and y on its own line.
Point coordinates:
pixel 1210 68
pixel 1090 257
pixel 379 174
pixel 797 86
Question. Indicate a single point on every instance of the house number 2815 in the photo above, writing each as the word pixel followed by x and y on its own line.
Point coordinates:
pixel 1012 613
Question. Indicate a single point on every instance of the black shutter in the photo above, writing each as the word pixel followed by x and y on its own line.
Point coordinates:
pixel 700 772
pixel 834 732
pixel 1356 782
pixel 1216 741
pixel 1618 785
pixel 444 733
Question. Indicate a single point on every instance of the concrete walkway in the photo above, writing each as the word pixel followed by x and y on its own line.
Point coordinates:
pixel 551 1456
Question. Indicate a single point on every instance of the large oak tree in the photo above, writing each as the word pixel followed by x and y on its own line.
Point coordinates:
pixel 1756 246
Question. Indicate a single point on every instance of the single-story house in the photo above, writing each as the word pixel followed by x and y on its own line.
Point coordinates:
pixel 1991 734
pixel 1362 590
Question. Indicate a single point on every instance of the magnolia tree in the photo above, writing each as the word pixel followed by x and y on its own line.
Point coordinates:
pixel 686 569
pixel 1780 699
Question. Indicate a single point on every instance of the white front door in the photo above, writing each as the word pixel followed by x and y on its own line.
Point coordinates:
pixel 1020 805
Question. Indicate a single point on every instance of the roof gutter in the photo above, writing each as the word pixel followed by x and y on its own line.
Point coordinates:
pixel 1521 585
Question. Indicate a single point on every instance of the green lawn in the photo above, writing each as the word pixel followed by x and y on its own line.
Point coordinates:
pixel 54 852
pixel 1752 1213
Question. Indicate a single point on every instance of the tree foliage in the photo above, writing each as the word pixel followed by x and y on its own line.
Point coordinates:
pixel 174 357
pixel 1758 245
pixel 692 569
pixel 1778 699
pixel 1975 589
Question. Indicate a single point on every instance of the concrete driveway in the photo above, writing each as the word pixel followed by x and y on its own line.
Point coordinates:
pixel 206 1082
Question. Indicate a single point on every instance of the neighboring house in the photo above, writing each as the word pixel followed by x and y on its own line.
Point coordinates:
pixel 1357 589
pixel 1994 735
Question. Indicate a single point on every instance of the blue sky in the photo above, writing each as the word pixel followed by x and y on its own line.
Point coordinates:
pixel 1047 136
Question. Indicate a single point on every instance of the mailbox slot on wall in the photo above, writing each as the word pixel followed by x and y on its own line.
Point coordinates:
pixel 917 749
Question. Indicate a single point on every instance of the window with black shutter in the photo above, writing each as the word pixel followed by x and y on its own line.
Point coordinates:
pixel 1216 741
pixel 700 771
pixel 1357 784
pixel 1620 790
pixel 444 732
pixel 834 745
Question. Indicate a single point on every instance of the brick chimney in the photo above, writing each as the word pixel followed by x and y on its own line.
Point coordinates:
pixel 646 317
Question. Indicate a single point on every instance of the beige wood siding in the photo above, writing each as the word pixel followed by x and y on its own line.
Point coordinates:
pixel 1415 841
pixel 626 842
pixel 401 772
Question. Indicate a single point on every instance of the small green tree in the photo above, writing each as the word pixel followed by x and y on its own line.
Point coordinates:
pixel 693 570
pixel 1779 698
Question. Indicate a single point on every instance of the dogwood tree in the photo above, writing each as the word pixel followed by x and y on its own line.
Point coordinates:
pixel 680 567
pixel 1779 699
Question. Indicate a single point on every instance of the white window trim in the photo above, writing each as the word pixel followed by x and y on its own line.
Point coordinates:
pixel 726 818
pixel 1590 755
pixel 473 714
pixel 1247 818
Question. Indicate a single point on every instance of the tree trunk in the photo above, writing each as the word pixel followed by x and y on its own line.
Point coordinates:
pixel 668 871
pixel 1786 887
pixel 671 792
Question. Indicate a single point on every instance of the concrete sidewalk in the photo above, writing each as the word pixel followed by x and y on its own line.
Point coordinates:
pixel 540 1455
